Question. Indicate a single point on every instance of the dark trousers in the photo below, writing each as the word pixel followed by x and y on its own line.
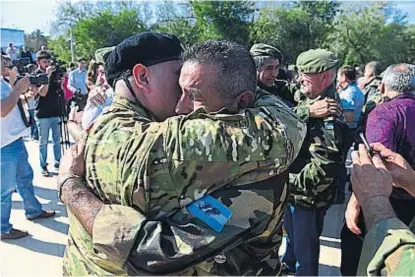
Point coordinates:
pixel 303 228
pixel 351 244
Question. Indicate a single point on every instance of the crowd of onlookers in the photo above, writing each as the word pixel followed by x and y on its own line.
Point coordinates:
pixel 377 105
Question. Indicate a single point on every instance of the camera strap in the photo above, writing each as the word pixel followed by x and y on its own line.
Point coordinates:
pixel 27 123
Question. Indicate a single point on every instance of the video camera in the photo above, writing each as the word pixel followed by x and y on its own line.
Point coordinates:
pixel 58 72
pixel 37 79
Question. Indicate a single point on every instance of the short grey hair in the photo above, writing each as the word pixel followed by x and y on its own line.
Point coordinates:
pixel 374 67
pixel 400 78
pixel 237 72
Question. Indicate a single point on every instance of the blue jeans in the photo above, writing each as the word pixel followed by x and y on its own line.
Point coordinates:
pixel 44 125
pixel 303 228
pixel 16 173
pixel 33 129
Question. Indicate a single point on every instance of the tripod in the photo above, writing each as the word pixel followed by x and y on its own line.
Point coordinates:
pixel 63 114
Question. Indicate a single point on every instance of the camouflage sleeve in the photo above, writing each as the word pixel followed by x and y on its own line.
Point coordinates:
pixel 200 153
pixel 312 174
pixel 302 109
pixel 175 243
pixel 388 250
pixel 210 151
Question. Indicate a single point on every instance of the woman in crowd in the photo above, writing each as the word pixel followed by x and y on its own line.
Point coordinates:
pixel 95 75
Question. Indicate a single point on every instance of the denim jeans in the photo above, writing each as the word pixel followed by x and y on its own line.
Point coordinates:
pixel 303 228
pixel 16 173
pixel 33 129
pixel 44 125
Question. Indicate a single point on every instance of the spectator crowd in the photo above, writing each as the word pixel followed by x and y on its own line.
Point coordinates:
pixel 194 161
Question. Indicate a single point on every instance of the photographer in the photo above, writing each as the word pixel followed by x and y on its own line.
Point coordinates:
pixel 15 167
pixel 47 111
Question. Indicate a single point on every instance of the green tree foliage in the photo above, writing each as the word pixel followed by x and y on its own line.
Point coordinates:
pixel 105 29
pixel 181 27
pixel 365 33
pixel 35 40
pixel 61 48
pixel 357 32
pixel 228 20
pixel 295 27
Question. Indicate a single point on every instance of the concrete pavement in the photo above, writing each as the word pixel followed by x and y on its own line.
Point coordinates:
pixel 40 254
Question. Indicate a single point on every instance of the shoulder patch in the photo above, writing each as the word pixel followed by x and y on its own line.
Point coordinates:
pixel 328 125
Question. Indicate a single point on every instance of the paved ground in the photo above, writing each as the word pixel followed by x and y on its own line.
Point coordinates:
pixel 40 253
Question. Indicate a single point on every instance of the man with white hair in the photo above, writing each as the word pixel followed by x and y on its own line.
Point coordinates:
pixel 390 124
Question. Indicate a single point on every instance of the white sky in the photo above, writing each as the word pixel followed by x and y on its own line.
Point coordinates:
pixel 29 15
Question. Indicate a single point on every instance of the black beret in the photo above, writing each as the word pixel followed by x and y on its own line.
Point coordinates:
pixel 147 48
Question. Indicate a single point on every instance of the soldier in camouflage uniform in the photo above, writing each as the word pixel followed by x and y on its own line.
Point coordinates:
pixel 371 89
pixel 314 173
pixel 373 79
pixel 267 60
pixel 148 171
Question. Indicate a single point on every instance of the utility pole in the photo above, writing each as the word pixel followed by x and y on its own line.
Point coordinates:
pixel 72 48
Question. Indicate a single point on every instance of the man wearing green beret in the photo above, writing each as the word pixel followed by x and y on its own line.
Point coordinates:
pixel 314 173
pixel 267 60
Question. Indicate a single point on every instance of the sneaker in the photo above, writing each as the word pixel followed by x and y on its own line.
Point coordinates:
pixel 56 166
pixel 14 234
pixel 45 172
pixel 44 214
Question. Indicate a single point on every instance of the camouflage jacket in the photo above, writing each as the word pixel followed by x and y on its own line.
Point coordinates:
pixel 282 89
pixel 153 170
pixel 372 95
pixel 372 98
pixel 323 153
pixel 388 250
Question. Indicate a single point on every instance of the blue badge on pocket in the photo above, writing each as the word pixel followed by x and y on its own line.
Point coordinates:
pixel 210 211
pixel 329 125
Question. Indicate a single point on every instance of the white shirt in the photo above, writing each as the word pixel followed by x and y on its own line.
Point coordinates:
pixel 77 80
pixel 92 112
pixel 12 126
pixel 11 51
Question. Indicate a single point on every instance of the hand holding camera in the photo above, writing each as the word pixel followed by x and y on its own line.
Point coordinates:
pixel 22 85
pixel 50 69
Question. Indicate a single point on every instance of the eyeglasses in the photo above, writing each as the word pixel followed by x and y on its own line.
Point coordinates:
pixel 10 67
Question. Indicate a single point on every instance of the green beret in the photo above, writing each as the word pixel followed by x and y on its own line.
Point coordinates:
pixel 102 53
pixel 316 61
pixel 265 50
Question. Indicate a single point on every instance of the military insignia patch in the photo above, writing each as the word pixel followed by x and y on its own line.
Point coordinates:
pixel 211 212
pixel 329 125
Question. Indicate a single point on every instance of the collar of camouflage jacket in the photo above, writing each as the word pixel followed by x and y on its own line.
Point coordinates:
pixel 374 82
pixel 134 106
